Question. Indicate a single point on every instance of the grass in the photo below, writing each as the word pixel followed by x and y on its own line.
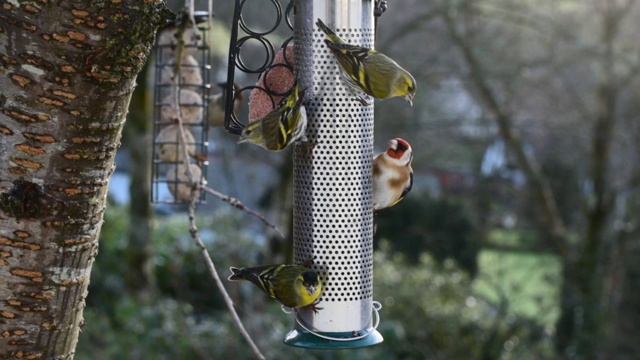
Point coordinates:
pixel 530 282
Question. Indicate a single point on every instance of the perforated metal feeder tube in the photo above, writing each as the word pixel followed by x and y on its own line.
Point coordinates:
pixel 333 211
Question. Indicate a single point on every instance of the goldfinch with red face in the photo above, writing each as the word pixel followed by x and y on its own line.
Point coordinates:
pixel 392 174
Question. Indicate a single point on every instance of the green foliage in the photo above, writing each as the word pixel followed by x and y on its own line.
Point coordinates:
pixel 430 310
pixel 440 226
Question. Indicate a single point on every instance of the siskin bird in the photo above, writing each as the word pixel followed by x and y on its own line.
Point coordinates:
pixel 217 104
pixel 369 71
pixel 294 286
pixel 392 174
pixel 281 126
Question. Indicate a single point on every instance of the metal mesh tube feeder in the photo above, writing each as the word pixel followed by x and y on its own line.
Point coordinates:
pixel 333 211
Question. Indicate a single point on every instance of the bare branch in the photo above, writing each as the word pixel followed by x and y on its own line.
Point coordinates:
pixel 237 204
pixel 195 194
pixel 511 136
pixel 193 230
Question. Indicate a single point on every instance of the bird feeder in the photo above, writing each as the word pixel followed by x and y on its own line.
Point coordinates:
pixel 182 83
pixel 333 210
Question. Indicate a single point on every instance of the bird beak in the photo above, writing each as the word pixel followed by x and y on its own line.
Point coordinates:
pixel 312 290
pixel 243 139
pixel 409 98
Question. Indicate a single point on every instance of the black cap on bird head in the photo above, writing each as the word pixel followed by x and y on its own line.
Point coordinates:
pixel 310 278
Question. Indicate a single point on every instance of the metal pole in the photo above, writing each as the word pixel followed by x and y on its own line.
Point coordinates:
pixel 333 212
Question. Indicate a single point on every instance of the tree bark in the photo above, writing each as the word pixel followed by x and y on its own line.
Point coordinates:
pixel 69 69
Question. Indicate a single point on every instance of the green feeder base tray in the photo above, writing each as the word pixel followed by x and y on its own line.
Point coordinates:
pixel 304 339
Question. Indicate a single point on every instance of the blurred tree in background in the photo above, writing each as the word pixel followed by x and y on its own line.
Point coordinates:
pixel 520 239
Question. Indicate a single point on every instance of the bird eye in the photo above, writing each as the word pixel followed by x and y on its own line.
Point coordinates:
pixel 248 132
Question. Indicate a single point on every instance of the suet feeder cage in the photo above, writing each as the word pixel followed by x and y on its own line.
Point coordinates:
pixel 333 210
pixel 181 90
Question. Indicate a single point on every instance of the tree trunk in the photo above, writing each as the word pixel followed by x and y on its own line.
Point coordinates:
pixel 69 69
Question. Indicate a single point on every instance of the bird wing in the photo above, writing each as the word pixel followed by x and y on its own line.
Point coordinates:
pixel 351 58
pixel 409 186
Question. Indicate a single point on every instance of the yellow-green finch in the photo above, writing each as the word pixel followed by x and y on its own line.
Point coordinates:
pixel 281 127
pixel 369 71
pixel 294 286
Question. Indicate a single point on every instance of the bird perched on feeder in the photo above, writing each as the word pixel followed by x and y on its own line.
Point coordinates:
pixel 392 174
pixel 280 127
pixel 294 286
pixel 217 104
pixel 369 71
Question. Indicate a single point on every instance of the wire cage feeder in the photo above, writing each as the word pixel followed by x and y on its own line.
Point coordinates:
pixel 181 93
pixel 333 209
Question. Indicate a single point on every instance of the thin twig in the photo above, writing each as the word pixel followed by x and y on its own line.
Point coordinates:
pixel 236 203
pixel 193 230
pixel 195 194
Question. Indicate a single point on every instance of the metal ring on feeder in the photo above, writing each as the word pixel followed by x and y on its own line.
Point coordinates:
pixel 268 59
pixel 246 28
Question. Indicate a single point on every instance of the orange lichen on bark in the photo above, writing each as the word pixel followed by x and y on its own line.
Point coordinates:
pixel 65 94
pixel 6 131
pixel 61 38
pixel 68 69
pixel 87 139
pixel 13 302
pixel 40 296
pixel 80 13
pixel 7 314
pixel 22 234
pixel 64 81
pixel 73 191
pixel 39 137
pixel 69 283
pixel 21 80
pixel 31 150
pixel 9 60
pixel 18 244
pixel 72 156
pixel 32 9
pixel 76 35
pixel 27 273
pixel 76 241
pixel 19 116
pixel 46 100
pixel 28 164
